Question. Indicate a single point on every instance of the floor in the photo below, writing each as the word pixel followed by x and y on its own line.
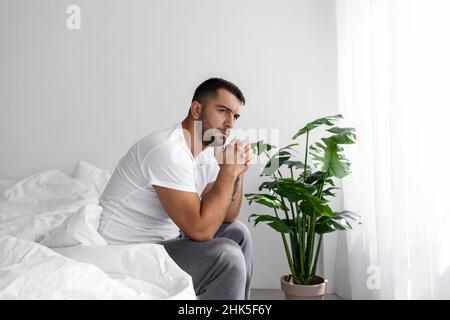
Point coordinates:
pixel 277 294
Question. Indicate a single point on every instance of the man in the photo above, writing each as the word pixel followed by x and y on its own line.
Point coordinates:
pixel 172 180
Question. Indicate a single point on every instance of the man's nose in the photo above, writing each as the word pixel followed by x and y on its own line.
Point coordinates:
pixel 229 123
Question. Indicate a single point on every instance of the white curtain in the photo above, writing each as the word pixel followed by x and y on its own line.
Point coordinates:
pixel 394 88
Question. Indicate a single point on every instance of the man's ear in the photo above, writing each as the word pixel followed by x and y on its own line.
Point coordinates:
pixel 196 110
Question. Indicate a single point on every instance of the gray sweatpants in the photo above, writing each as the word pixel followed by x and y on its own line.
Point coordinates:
pixel 221 268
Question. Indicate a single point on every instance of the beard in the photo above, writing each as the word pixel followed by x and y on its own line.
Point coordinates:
pixel 212 137
pixel 215 142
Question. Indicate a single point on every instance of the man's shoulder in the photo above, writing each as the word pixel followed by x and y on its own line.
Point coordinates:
pixel 168 137
pixel 163 145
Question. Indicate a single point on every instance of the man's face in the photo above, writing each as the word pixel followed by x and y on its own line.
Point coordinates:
pixel 218 117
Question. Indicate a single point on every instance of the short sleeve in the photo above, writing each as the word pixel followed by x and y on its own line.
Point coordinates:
pixel 170 165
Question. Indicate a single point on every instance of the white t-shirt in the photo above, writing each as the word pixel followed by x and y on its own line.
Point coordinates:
pixel 132 211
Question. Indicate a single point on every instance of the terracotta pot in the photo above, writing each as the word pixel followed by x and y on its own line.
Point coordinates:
pixel 315 291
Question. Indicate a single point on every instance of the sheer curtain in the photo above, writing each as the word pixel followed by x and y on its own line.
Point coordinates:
pixel 394 88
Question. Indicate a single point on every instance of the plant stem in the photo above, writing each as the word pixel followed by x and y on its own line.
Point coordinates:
pixel 292 237
pixel 311 232
pixel 282 200
pixel 303 241
pixel 299 240
pixel 304 233
pixel 295 252
pixel 306 156
pixel 281 177
pixel 313 272
pixel 275 178
pixel 298 234
pixel 295 243
pixel 323 183
pixel 313 224
pixel 288 254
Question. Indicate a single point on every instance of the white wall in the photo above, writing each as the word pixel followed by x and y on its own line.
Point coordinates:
pixel 132 68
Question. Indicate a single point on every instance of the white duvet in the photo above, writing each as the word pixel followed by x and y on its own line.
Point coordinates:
pixel 50 248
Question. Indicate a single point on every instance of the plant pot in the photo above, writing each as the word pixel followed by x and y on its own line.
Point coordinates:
pixel 315 291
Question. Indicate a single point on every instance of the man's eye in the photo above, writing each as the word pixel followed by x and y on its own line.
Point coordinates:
pixel 236 117
pixel 222 110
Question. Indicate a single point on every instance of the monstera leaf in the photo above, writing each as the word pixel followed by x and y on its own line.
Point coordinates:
pixel 280 225
pixel 338 221
pixel 327 155
pixel 261 147
pixel 266 200
pixel 328 121
pixel 278 159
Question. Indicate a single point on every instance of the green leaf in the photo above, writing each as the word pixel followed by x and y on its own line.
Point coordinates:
pixel 327 156
pixel 326 210
pixel 261 217
pixel 327 192
pixel 294 190
pixel 296 164
pixel 280 226
pixel 314 177
pixel 348 214
pixel 322 228
pixel 269 185
pixel 275 162
pixel 340 224
pixel 289 146
pixel 266 200
pixel 328 159
pixel 341 139
pixel 313 203
pixel 261 147
pixel 338 221
pixel 343 135
pixel 329 121
pixel 277 224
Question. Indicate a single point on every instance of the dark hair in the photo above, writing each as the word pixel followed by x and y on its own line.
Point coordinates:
pixel 209 88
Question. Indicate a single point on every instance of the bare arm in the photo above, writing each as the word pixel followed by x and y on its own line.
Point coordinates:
pixel 236 200
pixel 199 219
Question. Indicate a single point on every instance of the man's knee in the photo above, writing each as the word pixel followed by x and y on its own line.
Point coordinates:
pixel 241 230
pixel 229 254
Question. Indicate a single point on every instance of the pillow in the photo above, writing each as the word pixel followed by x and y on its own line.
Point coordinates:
pixel 80 228
pixel 5 184
pixel 49 185
pixel 91 176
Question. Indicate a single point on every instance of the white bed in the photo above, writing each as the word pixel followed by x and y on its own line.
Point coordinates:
pixel 50 248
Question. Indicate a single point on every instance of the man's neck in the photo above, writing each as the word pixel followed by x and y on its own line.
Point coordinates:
pixel 193 135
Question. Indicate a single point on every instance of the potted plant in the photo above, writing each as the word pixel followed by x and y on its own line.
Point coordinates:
pixel 300 203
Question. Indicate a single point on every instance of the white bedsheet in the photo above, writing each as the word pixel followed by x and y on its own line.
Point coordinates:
pixel 62 212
